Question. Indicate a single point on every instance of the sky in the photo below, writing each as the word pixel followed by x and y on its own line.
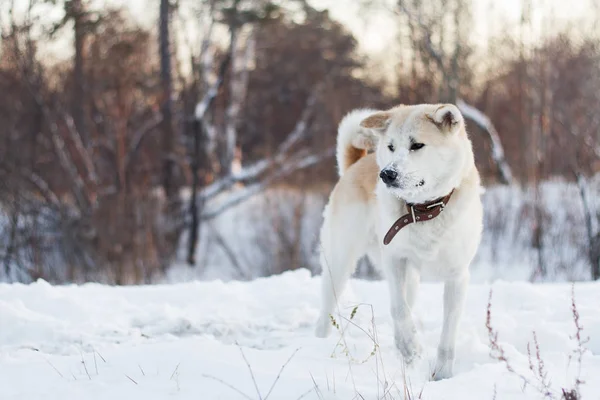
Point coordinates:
pixel 377 28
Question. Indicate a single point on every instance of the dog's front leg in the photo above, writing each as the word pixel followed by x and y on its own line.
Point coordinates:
pixel 405 331
pixel 455 291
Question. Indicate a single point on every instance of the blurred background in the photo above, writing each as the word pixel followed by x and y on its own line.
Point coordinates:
pixel 152 141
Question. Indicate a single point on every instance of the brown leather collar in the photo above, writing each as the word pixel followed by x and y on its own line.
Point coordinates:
pixel 417 212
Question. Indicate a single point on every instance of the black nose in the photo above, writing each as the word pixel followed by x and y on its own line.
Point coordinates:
pixel 388 176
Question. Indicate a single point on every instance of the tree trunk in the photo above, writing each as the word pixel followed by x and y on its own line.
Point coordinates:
pixel 593 239
pixel 232 108
pixel 11 246
pixel 194 206
pixel 197 156
pixel 79 92
pixel 168 140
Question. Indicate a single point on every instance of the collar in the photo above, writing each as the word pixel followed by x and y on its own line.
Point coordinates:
pixel 417 212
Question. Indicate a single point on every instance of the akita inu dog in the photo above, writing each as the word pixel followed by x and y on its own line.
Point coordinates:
pixel 413 206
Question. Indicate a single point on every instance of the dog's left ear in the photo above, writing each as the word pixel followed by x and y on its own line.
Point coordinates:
pixel 447 118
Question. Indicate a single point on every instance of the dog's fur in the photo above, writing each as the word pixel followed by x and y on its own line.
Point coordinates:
pixel 362 208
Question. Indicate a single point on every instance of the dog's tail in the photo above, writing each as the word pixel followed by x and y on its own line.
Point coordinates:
pixel 353 141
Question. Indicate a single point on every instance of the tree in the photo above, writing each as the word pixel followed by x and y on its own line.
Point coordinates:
pixel 166 81
pixel 84 23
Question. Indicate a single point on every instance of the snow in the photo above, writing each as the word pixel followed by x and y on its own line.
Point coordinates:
pixel 164 341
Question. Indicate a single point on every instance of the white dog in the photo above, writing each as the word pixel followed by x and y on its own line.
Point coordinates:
pixel 413 207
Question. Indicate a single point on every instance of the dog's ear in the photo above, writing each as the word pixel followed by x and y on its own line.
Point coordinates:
pixel 447 118
pixel 378 121
pixel 372 126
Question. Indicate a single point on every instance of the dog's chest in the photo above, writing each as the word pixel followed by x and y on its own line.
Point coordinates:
pixel 420 241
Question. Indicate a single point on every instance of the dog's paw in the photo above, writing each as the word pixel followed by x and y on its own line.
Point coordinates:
pixel 409 347
pixel 323 328
pixel 443 368
pixel 442 373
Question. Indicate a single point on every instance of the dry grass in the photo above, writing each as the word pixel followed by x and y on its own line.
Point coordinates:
pixel 256 387
pixel 540 379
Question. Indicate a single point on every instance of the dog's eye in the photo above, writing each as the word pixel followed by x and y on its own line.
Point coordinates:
pixel 416 146
pixel 391 147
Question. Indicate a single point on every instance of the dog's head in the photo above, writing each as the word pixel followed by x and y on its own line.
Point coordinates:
pixel 422 150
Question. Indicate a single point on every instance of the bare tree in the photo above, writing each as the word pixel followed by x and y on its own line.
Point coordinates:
pixel 593 239
pixel 79 93
pixel 166 80
pixel 199 132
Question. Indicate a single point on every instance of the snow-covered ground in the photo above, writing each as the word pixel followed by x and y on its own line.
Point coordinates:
pixel 184 340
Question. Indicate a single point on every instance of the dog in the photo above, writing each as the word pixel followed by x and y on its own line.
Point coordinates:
pixel 409 197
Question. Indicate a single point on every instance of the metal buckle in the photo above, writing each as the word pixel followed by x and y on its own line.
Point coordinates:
pixel 439 203
pixel 412 212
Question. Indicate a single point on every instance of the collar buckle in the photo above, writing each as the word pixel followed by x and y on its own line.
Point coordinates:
pixel 439 203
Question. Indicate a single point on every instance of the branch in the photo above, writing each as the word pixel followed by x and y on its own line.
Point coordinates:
pixel 229 253
pixel 67 164
pixel 43 188
pixel 79 189
pixel 81 149
pixel 40 186
pixel 482 120
pixel 138 138
pixel 204 104
pixel 298 163
pixel 415 17
pixel 253 172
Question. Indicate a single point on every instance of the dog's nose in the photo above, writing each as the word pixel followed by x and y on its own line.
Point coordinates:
pixel 388 176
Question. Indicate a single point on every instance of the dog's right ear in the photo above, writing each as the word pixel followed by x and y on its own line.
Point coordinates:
pixel 377 122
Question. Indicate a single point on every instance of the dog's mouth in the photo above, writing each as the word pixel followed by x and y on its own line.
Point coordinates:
pixel 399 184
pixel 393 185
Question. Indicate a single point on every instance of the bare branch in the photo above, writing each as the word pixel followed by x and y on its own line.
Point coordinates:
pixel 253 172
pixel 229 252
pixel 139 136
pixel 79 189
pixel 485 123
pixel 255 188
pixel 43 188
pixel 414 17
pixel 81 149
pixel 204 104
pixel 70 168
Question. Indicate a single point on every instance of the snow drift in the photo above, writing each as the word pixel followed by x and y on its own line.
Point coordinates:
pixel 185 340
